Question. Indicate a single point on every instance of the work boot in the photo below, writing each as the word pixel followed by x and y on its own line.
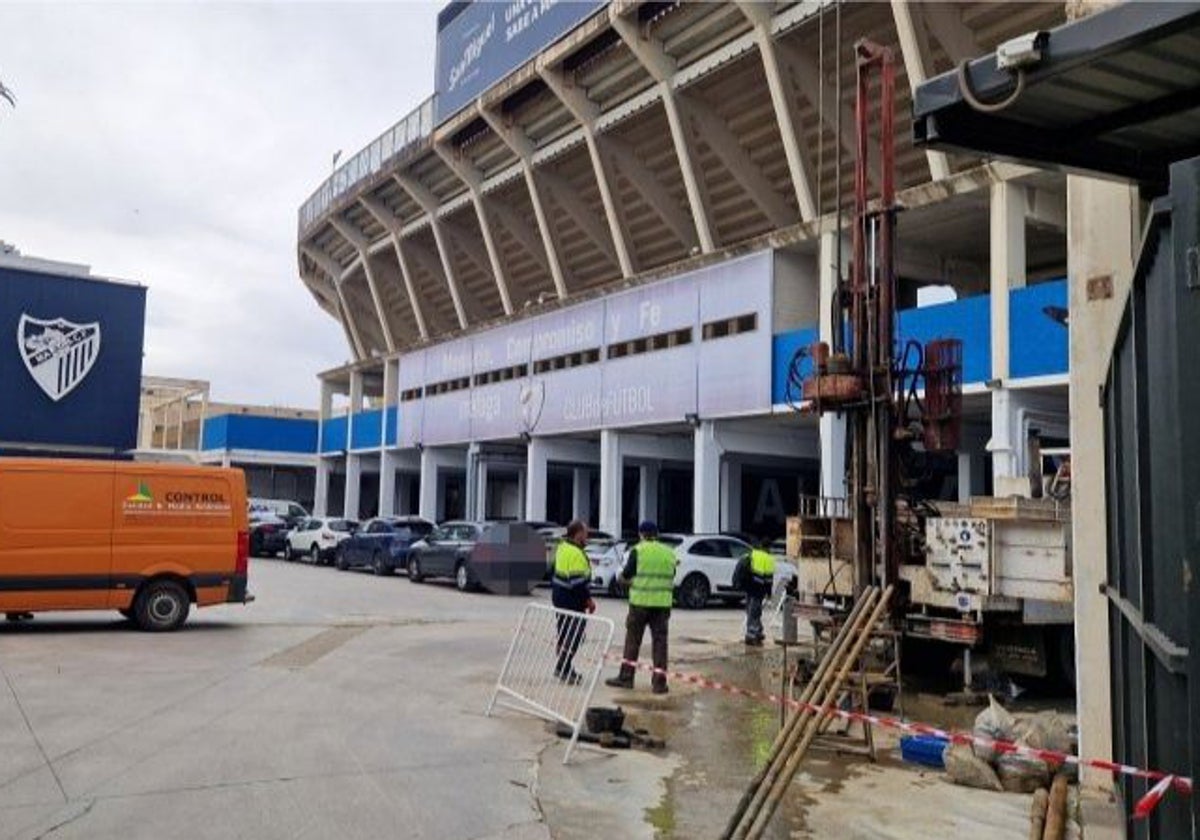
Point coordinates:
pixel 620 681
pixel 659 688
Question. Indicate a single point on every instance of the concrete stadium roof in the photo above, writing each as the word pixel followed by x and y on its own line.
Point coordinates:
pixel 653 135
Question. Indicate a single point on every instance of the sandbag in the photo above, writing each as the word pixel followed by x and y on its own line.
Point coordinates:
pixel 994 723
pixel 1020 774
pixel 966 769
pixel 1044 731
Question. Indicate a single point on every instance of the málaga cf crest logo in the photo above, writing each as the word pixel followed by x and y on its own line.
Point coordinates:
pixel 58 354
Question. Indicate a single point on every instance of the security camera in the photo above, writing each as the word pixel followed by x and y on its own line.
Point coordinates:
pixel 1021 52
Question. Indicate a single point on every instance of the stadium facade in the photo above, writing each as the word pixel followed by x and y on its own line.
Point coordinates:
pixel 575 280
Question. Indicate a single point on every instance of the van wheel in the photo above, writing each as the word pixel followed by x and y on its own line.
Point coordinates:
pixel 161 605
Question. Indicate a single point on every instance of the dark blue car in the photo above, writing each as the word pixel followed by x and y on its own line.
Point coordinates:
pixel 382 544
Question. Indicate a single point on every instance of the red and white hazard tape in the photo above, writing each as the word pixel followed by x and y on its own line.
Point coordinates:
pixel 1143 808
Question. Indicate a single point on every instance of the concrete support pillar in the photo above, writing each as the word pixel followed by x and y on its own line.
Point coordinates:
pixel 731 495
pixel 1103 222
pixel 428 501
pixel 536 461
pixel 481 491
pixel 706 485
pixel 387 483
pixel 1007 444
pixel 356 404
pixel 321 489
pixel 522 483
pixel 611 477
pixel 1007 266
pixel 353 486
pixel 827 281
pixel 581 494
pixel 648 492
pixel 473 503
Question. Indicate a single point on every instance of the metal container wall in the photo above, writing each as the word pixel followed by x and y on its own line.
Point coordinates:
pixel 1152 441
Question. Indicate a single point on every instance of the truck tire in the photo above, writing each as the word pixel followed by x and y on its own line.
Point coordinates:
pixel 161 606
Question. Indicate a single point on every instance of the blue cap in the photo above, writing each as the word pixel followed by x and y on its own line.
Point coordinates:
pixel 647 527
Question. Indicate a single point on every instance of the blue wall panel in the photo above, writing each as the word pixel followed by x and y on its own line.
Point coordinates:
pixel 367 429
pixel 969 319
pixel 1037 343
pixel 333 434
pixel 391 424
pixel 70 360
pixel 783 348
pixel 264 434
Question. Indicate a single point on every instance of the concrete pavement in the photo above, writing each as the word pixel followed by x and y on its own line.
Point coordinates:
pixel 338 704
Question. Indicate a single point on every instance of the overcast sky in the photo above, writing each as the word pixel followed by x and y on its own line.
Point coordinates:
pixel 172 145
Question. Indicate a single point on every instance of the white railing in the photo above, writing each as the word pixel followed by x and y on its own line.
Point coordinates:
pixel 552 667
pixel 404 135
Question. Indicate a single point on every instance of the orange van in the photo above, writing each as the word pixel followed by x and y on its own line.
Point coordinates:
pixel 147 540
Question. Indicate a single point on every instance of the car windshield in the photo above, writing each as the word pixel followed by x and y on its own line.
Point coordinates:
pixel 343 526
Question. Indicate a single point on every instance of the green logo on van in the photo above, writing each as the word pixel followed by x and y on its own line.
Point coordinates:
pixel 143 494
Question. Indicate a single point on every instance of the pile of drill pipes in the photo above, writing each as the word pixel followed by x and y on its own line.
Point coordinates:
pixel 753 813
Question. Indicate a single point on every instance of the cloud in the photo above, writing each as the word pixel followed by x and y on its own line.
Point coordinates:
pixel 172 145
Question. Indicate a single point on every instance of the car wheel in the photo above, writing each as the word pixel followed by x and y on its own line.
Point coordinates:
pixel 414 569
pixel 378 566
pixel 462 577
pixel 614 588
pixel 339 560
pixel 314 555
pixel 162 605
pixel 694 592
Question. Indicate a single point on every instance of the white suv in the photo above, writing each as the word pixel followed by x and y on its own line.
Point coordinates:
pixel 705 570
pixel 318 539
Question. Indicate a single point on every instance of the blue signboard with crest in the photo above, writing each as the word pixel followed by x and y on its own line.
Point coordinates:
pixel 70 362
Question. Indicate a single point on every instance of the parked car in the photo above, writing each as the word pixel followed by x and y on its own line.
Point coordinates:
pixel 705 570
pixel 382 544
pixel 606 567
pixel 318 539
pixel 446 552
pixel 268 534
pixel 293 513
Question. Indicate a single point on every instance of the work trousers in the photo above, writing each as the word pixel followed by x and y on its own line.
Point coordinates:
pixel 639 618
pixel 570 637
pixel 754 608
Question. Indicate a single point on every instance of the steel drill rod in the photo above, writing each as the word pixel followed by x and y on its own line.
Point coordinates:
pixel 794 719
pixel 796 757
pixel 805 715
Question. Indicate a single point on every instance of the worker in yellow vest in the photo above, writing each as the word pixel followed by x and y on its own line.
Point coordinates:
pixel 571 594
pixel 755 575
pixel 649 572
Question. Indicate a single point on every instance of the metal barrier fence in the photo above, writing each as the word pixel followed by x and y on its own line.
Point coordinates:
pixel 549 642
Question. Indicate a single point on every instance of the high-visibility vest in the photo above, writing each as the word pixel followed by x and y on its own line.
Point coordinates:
pixel 654 583
pixel 570 563
pixel 762 567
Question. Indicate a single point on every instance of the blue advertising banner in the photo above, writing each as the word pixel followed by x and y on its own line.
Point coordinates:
pixel 485 41
pixel 70 361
